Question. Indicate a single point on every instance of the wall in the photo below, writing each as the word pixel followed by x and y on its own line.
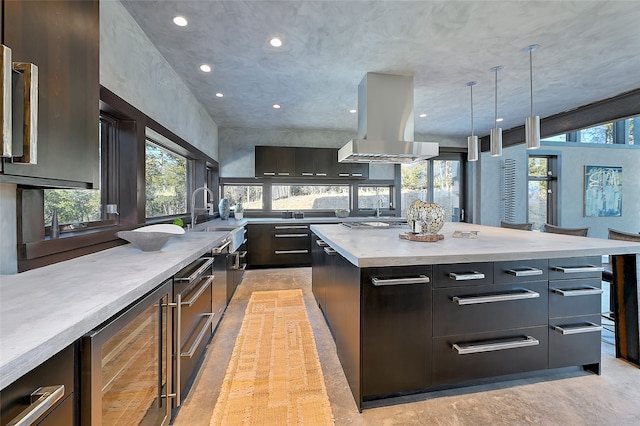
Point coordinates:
pixel 571 185
pixel 132 68
pixel 8 237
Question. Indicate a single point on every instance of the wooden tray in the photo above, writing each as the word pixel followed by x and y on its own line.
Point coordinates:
pixel 429 238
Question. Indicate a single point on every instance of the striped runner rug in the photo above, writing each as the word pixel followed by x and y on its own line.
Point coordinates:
pixel 274 375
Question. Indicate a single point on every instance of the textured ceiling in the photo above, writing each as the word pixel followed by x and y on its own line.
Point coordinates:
pixel 589 50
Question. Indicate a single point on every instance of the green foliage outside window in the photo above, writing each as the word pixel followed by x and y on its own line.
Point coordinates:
pixel 165 182
pixel 72 205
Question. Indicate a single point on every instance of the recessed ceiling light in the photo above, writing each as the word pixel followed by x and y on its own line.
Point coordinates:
pixel 219 95
pixel 499 119
pixel 180 21
pixel 275 42
pixel 276 106
pixel 423 115
pixel 205 68
pixel 353 111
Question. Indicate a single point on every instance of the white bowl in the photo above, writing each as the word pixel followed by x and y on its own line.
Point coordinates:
pixel 152 237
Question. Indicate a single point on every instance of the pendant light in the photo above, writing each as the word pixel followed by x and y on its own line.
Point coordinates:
pixel 532 125
pixel 496 132
pixel 472 141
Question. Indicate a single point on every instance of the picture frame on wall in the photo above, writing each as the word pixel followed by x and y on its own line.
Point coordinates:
pixel 602 191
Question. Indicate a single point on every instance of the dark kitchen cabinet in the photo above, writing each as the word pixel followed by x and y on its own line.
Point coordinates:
pixel 316 162
pixel 62 39
pixel 393 298
pixel 280 161
pixel 273 161
pixel 285 244
pixel 58 374
pixel 351 170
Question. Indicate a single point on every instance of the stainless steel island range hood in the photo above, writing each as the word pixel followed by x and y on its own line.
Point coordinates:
pixel 385 123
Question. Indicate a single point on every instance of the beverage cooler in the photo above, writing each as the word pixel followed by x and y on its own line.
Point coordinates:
pixel 126 367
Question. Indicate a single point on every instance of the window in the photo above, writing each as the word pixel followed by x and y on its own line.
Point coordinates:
pixel 82 208
pixel 165 181
pixel 249 195
pixel 542 194
pixel 616 132
pixel 309 197
pixel 434 181
pixel 373 197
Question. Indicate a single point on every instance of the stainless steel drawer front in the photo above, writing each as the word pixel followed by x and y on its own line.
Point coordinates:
pixel 474 300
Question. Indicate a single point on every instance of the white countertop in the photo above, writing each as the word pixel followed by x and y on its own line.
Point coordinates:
pixel 44 310
pixel 383 247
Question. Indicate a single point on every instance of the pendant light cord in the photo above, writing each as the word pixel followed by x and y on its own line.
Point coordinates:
pixel 471 86
pixel 495 110
pixel 531 49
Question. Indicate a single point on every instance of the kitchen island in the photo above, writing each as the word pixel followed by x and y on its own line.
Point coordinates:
pixel 417 316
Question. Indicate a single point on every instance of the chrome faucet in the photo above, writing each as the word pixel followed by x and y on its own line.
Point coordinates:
pixel 193 203
pixel 379 207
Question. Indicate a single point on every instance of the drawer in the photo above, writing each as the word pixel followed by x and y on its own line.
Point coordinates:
pixel 519 271
pixel 575 297
pixel 461 274
pixel 462 310
pixel 575 267
pixel 291 257
pixel 574 341
pixel 291 241
pixel 58 370
pixel 476 356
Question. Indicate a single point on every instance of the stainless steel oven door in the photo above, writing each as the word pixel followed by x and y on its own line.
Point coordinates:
pixel 126 365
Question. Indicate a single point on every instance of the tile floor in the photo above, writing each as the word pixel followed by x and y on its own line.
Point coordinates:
pixel 567 397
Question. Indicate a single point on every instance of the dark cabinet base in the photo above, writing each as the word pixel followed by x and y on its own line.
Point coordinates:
pixel 469 323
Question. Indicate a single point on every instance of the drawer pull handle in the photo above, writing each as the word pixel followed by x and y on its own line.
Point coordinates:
pixel 505 297
pixel 329 251
pixel 195 274
pixel 198 293
pixel 321 174
pixel 321 243
pixel 464 349
pixel 269 173
pixel 220 249
pixel 577 269
pixel 283 173
pixel 420 279
pixel 291 235
pixel 242 254
pixel 292 227
pixel 42 399
pixel 577 329
pixel 525 272
pixel 291 251
pixel 199 337
pixel 343 174
pixel 466 276
pixel 356 174
pixel 307 174
pixel 585 291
